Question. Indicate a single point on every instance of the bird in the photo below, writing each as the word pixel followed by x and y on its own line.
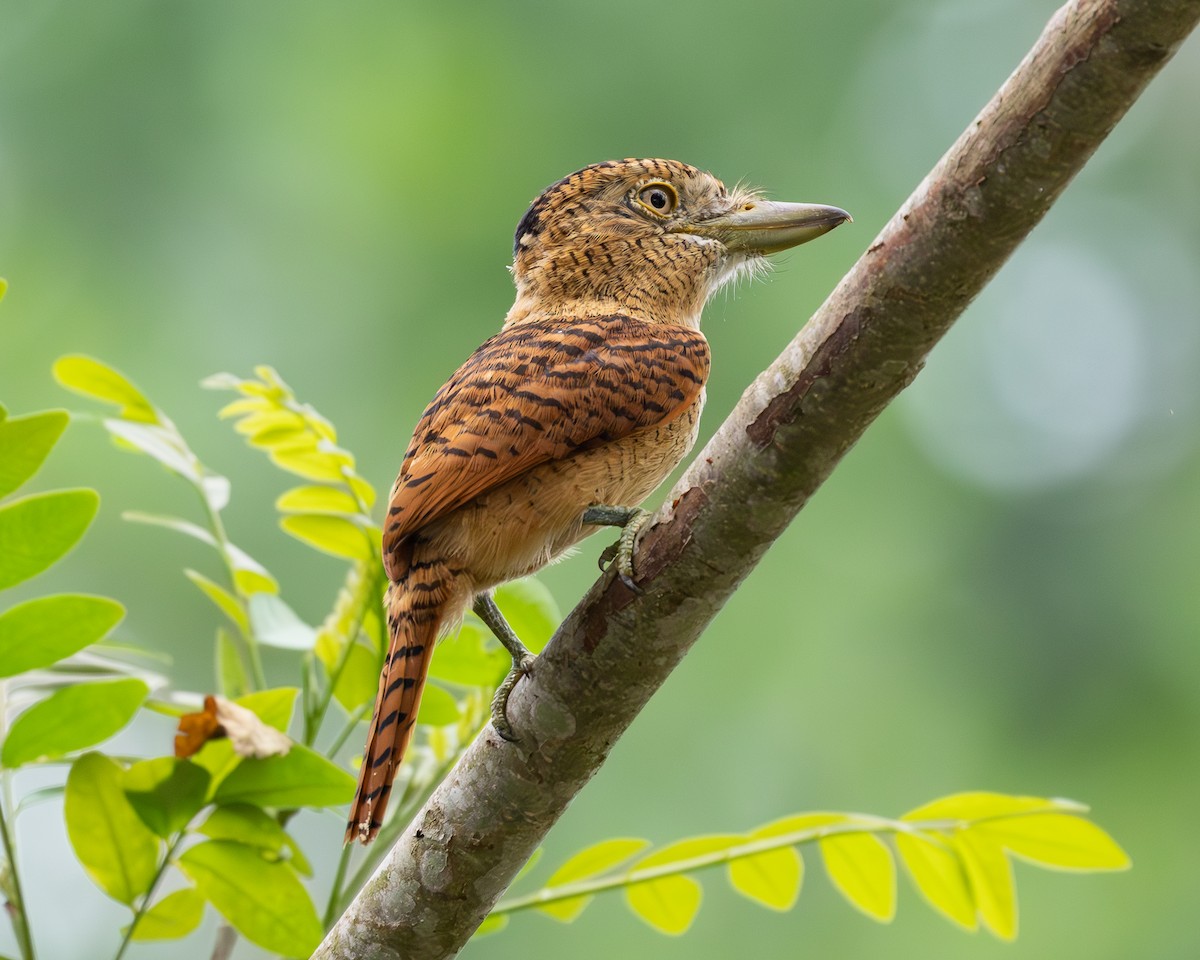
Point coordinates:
pixel 566 419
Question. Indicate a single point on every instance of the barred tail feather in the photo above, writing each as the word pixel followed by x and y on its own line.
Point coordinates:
pixel 416 609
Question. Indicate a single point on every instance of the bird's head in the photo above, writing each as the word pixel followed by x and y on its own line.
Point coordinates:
pixel 648 238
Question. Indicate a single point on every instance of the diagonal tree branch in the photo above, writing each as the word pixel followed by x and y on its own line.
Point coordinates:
pixel 792 426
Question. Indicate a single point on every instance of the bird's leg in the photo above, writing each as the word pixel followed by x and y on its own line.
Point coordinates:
pixel 631 519
pixel 522 661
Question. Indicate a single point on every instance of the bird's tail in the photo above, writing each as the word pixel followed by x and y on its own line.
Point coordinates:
pixel 417 604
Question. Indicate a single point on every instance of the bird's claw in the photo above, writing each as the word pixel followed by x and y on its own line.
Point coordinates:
pixel 520 668
pixel 631 520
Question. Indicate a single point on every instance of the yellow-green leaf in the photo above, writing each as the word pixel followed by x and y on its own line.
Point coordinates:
pixel 530 610
pixel 334 535
pixel 72 718
pixel 273 707
pixel 118 851
pixel 1057 840
pixel 589 862
pixel 242 406
pixel 231 671
pixel 470 657
pixel 261 897
pixel 772 878
pixel 358 681
pixel 438 708
pixel 312 463
pixel 25 442
pixel 966 807
pixel 38 633
pixel 299 778
pixel 668 904
pixel 934 866
pixel 174 916
pixel 491 924
pixel 269 420
pixel 990 876
pixel 534 859
pixel 861 867
pixel 91 378
pixel 316 499
pixel 225 601
pixel 245 824
pixel 36 531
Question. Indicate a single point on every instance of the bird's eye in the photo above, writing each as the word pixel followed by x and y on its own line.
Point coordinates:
pixel 659 198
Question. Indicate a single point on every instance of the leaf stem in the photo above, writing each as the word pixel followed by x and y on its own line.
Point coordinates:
pixel 568 891
pixel 331 907
pixel 145 901
pixel 249 642
pixel 12 886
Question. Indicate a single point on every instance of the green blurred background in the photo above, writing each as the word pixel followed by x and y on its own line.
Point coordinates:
pixel 997 589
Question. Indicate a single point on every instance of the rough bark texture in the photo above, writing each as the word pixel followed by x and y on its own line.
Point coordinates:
pixel 793 424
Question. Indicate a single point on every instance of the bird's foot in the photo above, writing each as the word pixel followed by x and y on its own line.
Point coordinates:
pixel 520 668
pixel 631 520
pixel 522 661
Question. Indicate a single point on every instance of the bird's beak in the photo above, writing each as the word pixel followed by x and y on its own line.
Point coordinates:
pixel 763 226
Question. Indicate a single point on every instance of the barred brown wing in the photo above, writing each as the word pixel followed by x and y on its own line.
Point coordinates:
pixel 538 392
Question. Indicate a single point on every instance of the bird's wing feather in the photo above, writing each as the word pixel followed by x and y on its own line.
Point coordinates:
pixel 538 392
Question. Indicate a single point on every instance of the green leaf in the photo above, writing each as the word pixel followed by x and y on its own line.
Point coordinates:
pixel 25 442
pixel 38 633
pixel 470 658
pixel 589 862
pixel 669 904
pixel 159 444
pixel 530 610
pixel 273 707
pixel 91 378
pixel 772 878
pixel 438 708
pixel 990 876
pixel 299 778
pixel 277 625
pixel 225 601
pixel 316 499
pixel 72 718
pixel 174 916
pixel 1056 840
pixel 118 851
pixel 358 681
pixel 254 826
pixel 231 672
pixel 938 873
pixel 334 535
pixel 37 531
pixel 245 824
pixel 262 898
pixel 861 867
pixel 166 792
